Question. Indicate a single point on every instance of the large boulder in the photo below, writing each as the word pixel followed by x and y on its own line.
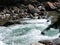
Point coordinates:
pixel 51 5
pixel 32 9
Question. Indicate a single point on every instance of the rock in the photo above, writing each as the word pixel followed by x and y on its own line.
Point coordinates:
pixel 36 14
pixel 37 10
pixel 30 6
pixel 7 15
pixel 58 10
pixel 56 41
pixel 51 5
pixel 46 42
pixel 41 7
pixel 32 9
pixel 37 43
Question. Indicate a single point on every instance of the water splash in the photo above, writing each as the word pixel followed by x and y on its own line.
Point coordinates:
pixel 25 34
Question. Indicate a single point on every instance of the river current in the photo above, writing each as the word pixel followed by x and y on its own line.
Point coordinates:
pixel 25 34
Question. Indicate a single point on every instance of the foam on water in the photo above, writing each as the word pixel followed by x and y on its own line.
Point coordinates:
pixel 25 34
pixel 35 21
pixel 1 43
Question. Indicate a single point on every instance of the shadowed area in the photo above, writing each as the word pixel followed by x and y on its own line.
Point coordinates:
pixel 55 25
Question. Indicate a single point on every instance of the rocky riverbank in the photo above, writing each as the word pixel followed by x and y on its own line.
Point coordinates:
pixel 48 42
pixel 15 13
pixel 26 9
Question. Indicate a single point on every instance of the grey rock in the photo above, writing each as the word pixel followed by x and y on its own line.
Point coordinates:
pixel 47 42
pixel 32 9
pixel 37 43
pixel 56 41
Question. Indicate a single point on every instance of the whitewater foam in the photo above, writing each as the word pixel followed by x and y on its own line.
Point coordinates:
pixel 25 34
pixel 1 43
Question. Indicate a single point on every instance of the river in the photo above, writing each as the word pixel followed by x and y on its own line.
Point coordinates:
pixel 25 34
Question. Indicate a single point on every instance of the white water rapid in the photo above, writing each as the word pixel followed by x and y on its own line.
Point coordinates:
pixel 25 34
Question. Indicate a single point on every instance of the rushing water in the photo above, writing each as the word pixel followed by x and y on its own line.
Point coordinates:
pixel 25 34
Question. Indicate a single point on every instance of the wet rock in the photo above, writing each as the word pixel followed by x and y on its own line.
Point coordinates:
pixel 37 10
pixel 41 7
pixel 56 41
pixel 58 10
pixel 36 14
pixel 57 4
pixel 37 43
pixel 28 2
pixel 30 6
pixel 50 6
pixel 55 25
pixel 7 15
pixel 46 42
pixel 51 42
pixel 32 9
